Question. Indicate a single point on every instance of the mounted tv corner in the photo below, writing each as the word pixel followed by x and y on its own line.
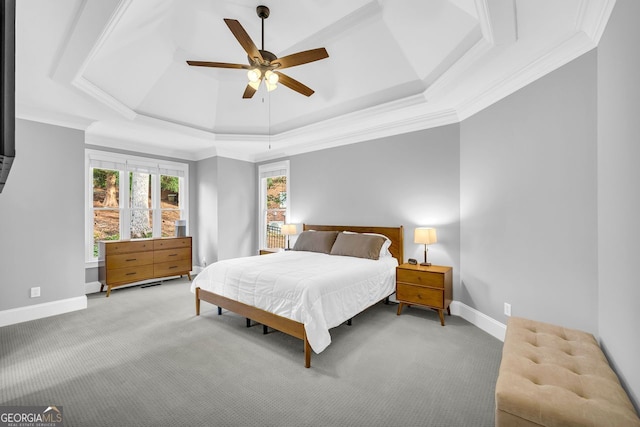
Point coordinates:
pixel 7 88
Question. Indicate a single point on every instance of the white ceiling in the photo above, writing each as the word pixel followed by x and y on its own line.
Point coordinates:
pixel 116 68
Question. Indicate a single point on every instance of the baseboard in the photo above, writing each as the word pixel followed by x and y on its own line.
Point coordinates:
pixel 91 288
pixel 39 311
pixel 478 319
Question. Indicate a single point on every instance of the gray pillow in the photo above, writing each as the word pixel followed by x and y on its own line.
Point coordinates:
pixel 358 245
pixel 315 241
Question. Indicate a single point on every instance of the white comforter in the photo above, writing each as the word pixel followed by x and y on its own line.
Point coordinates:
pixel 318 290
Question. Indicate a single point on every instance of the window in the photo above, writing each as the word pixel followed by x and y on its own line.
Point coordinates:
pixel 274 203
pixel 132 198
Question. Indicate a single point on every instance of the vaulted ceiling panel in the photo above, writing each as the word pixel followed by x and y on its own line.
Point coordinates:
pixel 430 32
pixel 179 96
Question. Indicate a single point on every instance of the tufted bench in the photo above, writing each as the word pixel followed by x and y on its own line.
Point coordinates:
pixel 553 376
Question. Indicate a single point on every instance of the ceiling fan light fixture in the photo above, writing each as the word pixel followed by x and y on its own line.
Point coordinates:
pixel 270 86
pixel 254 75
pixel 271 77
pixel 262 62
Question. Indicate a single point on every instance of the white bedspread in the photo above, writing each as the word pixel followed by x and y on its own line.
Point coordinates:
pixel 318 290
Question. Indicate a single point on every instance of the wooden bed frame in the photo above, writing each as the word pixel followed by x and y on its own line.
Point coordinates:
pixel 288 326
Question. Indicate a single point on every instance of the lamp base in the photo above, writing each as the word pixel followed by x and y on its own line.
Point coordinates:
pixel 425 264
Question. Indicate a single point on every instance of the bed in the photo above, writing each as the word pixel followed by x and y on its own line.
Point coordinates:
pixel 304 293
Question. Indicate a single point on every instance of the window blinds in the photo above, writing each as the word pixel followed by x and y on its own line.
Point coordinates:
pixel 135 166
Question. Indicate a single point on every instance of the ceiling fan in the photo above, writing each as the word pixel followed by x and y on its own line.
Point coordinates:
pixel 264 65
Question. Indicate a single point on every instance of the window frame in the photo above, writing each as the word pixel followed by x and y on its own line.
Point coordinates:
pixel 125 164
pixel 265 171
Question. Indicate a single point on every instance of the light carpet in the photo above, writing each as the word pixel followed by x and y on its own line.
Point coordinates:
pixel 142 358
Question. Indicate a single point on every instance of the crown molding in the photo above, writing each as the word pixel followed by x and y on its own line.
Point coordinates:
pixel 344 130
pixel 129 144
pixel 90 88
pixel 55 118
pixel 459 69
pixel 498 21
pixel 571 48
pixel 593 17
pixel 100 95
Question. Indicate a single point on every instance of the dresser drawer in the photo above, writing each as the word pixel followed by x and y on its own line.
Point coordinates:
pixel 172 268
pixel 129 274
pixel 128 246
pixel 177 254
pixel 172 243
pixel 419 295
pixel 422 278
pixel 129 260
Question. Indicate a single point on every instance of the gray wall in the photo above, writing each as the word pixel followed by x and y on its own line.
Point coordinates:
pixel 618 195
pixel 41 217
pixel 237 208
pixel 528 201
pixel 227 212
pixel 410 180
pixel 207 212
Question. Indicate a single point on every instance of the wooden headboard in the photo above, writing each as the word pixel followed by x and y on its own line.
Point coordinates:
pixel 395 234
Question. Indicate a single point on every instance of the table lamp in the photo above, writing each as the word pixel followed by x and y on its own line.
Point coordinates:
pixel 425 236
pixel 289 230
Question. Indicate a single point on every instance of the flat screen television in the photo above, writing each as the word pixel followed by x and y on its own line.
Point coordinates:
pixel 7 88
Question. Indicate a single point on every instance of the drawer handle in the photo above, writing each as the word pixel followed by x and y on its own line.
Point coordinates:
pixel 173 254
pixel 132 259
pixel 132 274
pixel 172 267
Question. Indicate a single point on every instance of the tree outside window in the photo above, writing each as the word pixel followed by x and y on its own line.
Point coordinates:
pixel 132 198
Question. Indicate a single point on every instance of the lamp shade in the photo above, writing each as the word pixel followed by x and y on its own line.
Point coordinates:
pixel 289 229
pixel 425 235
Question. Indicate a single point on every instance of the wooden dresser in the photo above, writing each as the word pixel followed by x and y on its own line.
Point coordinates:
pixel 121 262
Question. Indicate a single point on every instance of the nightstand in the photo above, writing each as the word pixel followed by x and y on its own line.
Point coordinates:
pixel 426 286
pixel 267 251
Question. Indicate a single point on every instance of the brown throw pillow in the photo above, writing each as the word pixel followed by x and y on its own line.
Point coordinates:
pixel 358 245
pixel 315 241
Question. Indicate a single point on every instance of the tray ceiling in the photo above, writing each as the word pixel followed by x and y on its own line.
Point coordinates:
pixel 117 68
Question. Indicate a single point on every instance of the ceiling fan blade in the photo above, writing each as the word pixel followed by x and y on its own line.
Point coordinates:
pixel 243 38
pixel 292 83
pixel 300 58
pixel 248 92
pixel 218 64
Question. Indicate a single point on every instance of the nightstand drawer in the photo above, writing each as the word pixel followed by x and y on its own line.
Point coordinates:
pixel 419 295
pixel 420 278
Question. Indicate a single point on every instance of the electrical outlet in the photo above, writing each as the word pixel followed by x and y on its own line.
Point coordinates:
pixel 507 309
pixel 35 292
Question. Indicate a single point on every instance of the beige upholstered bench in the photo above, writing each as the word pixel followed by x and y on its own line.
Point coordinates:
pixel 553 376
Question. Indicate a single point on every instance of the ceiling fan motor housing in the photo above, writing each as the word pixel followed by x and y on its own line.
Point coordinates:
pixel 263 11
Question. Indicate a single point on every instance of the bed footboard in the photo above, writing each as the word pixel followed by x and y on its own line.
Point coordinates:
pixel 282 324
